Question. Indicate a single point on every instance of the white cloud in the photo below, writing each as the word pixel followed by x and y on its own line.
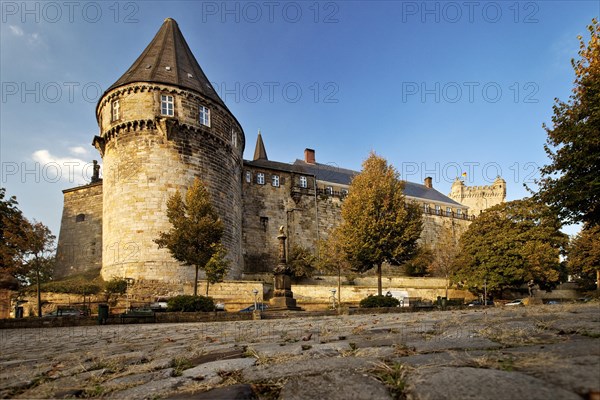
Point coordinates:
pixel 16 30
pixel 78 150
pixel 65 169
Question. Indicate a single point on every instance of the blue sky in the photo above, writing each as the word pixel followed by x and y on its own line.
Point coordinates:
pixel 436 87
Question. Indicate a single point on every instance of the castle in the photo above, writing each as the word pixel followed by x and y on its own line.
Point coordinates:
pixel 161 125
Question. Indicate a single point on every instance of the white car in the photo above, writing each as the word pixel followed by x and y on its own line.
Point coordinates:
pixel 517 302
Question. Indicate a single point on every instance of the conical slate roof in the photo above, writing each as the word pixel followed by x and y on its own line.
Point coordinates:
pixel 169 60
pixel 260 153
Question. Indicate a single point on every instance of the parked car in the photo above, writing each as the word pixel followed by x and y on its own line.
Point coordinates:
pixel 159 305
pixel 516 302
pixel 220 307
pixel 475 303
pixel 261 307
pixel 65 312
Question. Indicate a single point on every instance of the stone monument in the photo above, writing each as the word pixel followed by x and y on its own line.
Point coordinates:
pixel 283 298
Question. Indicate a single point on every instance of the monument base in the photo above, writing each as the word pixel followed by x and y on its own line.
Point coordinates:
pixel 283 303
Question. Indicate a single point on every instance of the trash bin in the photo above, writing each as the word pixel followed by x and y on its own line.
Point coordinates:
pixel 102 313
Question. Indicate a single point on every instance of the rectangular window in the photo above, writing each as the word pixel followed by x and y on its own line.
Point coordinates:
pixel 303 182
pixel 275 180
pixel 458 212
pixel 233 138
pixel 166 105
pixel 115 110
pixel 448 211
pixel 426 208
pixel 329 190
pixel 204 116
pixel 437 210
pixel 260 178
pixel 248 176
pixel 344 192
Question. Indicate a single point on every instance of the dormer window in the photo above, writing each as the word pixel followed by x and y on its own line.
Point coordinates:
pixel 167 105
pixel 115 108
pixel 204 116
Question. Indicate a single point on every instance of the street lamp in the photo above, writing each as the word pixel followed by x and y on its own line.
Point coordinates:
pixel 255 291
pixel 333 298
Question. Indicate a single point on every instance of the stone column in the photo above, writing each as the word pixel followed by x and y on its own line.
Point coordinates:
pixel 283 298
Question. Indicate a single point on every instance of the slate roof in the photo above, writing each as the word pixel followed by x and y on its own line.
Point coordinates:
pixel 169 60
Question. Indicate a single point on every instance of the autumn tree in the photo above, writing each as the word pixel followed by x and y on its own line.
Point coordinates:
pixel 13 235
pixel 301 262
pixel 584 256
pixel 510 244
pixel 444 253
pixel 420 263
pixel 39 259
pixel 570 184
pixel 378 224
pixel 196 231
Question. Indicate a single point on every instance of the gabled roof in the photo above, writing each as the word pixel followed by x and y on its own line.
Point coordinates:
pixel 169 60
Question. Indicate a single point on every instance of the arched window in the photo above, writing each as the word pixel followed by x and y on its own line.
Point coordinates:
pixel 80 218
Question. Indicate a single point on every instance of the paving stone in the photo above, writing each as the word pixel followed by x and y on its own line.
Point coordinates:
pixel 334 385
pixel 150 390
pixel 233 392
pixel 475 383
pixel 208 372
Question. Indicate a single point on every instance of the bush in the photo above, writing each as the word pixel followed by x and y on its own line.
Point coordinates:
pixel 379 301
pixel 116 286
pixel 190 304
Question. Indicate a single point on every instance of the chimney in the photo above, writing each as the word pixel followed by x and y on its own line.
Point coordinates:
pixel 428 183
pixel 309 156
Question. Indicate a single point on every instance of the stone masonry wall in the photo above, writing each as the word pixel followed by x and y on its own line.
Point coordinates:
pixel 146 159
pixel 80 238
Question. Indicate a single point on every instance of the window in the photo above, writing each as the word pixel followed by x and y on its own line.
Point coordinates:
pixel 204 116
pixel 260 178
pixel 264 221
pixel 448 211
pixel 303 182
pixel 426 208
pixel 344 192
pixel 329 190
pixel 458 212
pixel 275 180
pixel 437 209
pixel 248 176
pixel 115 110
pixel 166 105
pixel 80 218
pixel 233 138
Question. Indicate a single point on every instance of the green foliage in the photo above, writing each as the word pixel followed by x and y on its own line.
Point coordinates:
pixel 301 262
pixel 379 301
pixel 197 229
pixel 570 184
pixel 217 267
pixel 418 265
pixel 116 285
pixel 13 236
pixel 584 256
pixel 186 303
pixel 378 224
pixel 510 244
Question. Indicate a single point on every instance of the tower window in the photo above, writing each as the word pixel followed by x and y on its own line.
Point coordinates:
pixel 233 138
pixel 275 180
pixel 166 105
pixel 303 182
pixel 115 108
pixel 80 218
pixel 204 116
pixel 260 178
pixel 248 176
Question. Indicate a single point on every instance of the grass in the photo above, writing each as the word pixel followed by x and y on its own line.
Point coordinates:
pixel 180 364
pixel 393 376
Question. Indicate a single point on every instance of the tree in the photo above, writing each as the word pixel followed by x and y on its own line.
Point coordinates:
pixel 510 244
pixel 570 183
pixel 444 253
pixel 301 262
pixel 216 268
pixel 13 235
pixel 584 256
pixel 197 230
pixel 332 258
pixel 39 258
pixel 378 224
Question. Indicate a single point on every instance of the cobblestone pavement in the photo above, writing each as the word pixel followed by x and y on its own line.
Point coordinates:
pixel 537 352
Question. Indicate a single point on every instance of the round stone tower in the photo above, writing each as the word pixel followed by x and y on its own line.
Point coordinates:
pixel 161 125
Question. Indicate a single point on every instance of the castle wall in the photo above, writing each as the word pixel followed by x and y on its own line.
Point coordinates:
pixel 478 198
pixel 80 239
pixel 146 159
